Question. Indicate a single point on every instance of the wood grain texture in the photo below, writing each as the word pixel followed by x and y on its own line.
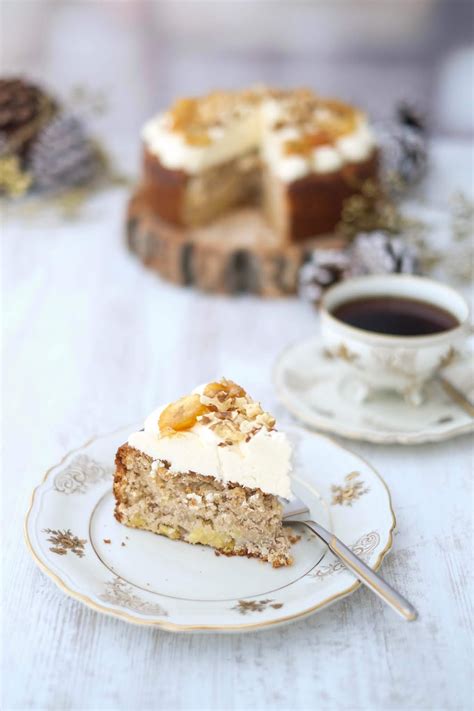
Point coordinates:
pixel 92 341
pixel 238 253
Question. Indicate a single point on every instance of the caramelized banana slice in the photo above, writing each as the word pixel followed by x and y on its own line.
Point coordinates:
pixel 183 112
pixel 181 415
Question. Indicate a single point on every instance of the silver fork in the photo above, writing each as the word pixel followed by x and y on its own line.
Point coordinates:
pixel 296 511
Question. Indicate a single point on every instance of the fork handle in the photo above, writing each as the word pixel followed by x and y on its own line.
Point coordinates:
pixel 365 574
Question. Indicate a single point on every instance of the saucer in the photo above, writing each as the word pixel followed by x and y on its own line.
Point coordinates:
pixel 318 390
pixel 147 579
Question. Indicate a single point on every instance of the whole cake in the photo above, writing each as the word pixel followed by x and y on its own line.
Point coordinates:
pixel 292 156
pixel 209 469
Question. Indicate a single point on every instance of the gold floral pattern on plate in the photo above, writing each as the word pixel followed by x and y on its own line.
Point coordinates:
pixel 65 541
pixel 243 607
pixel 80 474
pixel 118 592
pixel 352 490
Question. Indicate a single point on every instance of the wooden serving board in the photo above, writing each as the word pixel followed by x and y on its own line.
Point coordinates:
pixel 236 253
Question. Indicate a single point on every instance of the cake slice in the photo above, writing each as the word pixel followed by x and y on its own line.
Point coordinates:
pixel 209 469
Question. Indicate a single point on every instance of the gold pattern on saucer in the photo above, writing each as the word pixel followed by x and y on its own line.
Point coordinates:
pixel 350 492
pixel 245 606
pixel 65 541
pixel 457 397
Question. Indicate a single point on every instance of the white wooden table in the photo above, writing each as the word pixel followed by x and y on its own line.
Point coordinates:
pixel 92 341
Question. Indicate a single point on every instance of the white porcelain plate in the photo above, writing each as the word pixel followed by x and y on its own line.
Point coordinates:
pixel 317 389
pixel 148 579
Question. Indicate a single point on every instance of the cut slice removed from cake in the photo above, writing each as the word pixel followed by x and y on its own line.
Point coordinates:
pixel 209 469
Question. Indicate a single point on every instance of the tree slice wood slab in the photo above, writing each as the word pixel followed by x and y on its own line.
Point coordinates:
pixel 236 253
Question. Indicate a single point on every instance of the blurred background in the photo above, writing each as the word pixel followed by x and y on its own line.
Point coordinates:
pixel 143 53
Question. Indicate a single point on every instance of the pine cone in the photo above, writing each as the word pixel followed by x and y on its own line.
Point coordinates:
pixel 63 155
pixel 24 110
pixel 411 117
pixel 382 253
pixel 406 155
pixel 324 268
pixel 375 252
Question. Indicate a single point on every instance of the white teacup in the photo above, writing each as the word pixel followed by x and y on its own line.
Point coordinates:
pixel 389 362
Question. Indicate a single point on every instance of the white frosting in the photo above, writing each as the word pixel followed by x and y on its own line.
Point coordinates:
pixel 240 136
pixel 291 168
pixel 326 159
pixel 255 128
pixel 358 145
pixel 264 462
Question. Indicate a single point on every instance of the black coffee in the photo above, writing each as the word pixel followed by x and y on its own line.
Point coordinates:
pixel 395 316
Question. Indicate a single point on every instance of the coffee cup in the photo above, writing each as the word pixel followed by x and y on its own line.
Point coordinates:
pixel 381 355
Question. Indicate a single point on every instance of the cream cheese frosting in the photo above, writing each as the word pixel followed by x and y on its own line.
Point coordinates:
pixel 265 124
pixel 174 152
pixel 261 461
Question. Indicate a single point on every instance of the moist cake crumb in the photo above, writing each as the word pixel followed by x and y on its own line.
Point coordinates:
pixel 198 507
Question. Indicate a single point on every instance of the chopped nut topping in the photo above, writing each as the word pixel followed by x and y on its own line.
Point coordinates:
pixel 320 121
pixel 195 117
pixel 233 415
pixel 224 407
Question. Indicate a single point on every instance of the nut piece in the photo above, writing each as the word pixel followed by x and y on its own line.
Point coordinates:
pixel 181 415
pixel 233 416
pixel 228 387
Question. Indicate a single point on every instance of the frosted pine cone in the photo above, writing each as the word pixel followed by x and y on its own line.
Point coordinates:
pixel 324 268
pixel 63 155
pixel 406 155
pixel 381 253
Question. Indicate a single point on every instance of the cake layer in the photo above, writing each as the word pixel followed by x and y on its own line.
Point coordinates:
pixel 233 519
pixel 308 207
pixel 193 200
pixel 312 205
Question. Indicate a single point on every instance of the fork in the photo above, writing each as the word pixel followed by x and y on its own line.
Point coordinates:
pixel 296 511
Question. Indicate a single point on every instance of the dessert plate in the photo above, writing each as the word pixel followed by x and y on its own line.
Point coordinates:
pixel 318 390
pixel 147 579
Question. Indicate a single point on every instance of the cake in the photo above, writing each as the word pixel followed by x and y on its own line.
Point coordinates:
pixel 209 468
pixel 239 187
pixel 294 154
